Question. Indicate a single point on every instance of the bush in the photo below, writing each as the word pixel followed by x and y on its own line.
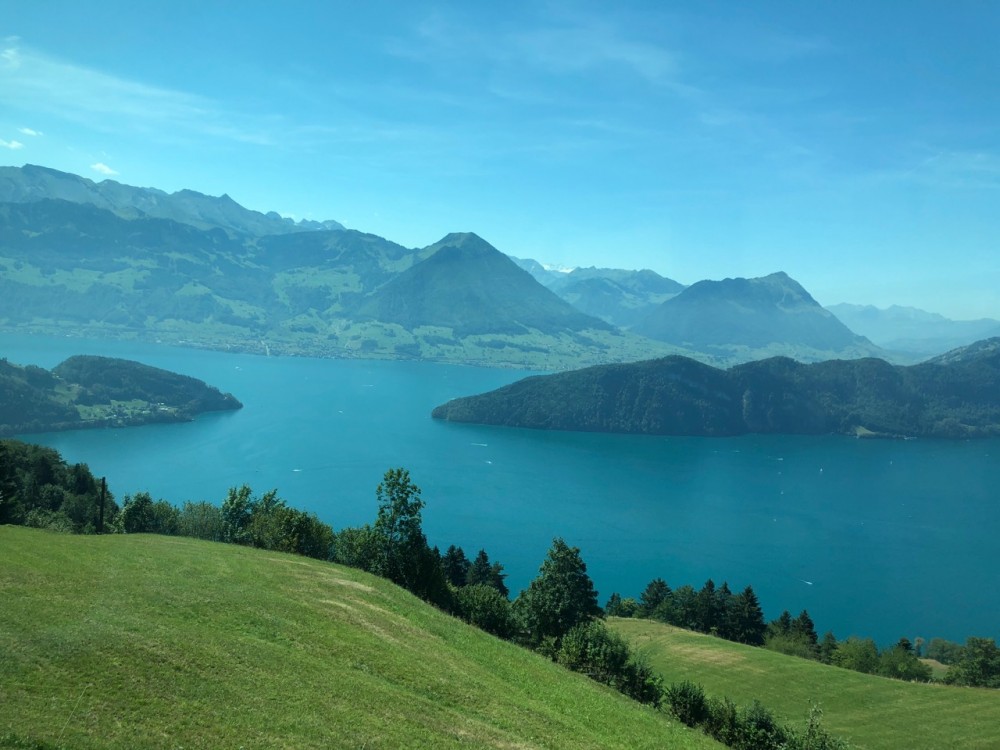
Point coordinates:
pixel 815 737
pixel 604 656
pixel 722 722
pixel 757 729
pixel 687 702
pixel 483 606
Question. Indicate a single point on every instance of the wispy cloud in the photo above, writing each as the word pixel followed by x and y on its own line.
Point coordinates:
pixel 29 132
pixel 955 169
pixel 37 82
pixel 104 169
pixel 12 145
pixel 555 47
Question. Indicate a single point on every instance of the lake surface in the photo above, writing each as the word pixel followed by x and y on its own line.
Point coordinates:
pixel 875 538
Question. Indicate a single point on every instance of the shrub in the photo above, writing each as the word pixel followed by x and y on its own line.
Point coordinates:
pixel 687 702
pixel 757 729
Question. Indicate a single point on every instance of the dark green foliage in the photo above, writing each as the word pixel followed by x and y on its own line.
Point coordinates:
pixel 398 529
pixel 900 663
pixel 859 654
pixel 456 566
pixel 827 647
pixel 757 729
pixel 803 627
pixel 560 598
pixel 655 594
pixel 722 721
pixel 140 514
pixel 979 665
pixel 745 619
pixel 268 523
pixel 618 607
pixel 795 637
pixel 815 737
pixel 959 397
pixel 104 379
pixel 200 520
pixel 483 606
pixel 752 727
pixel 491 574
pixel 38 488
pixel 356 546
pixel 944 651
pixel 34 400
pixel 686 700
pixel 605 656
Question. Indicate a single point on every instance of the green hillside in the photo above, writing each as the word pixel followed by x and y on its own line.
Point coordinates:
pixel 870 712
pixel 956 396
pixel 146 641
pixel 87 391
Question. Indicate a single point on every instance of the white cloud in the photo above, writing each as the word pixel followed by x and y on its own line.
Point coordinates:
pixel 12 145
pixel 36 82
pixel 103 169
pixel 29 131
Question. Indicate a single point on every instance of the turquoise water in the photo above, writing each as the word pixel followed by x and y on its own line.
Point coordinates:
pixel 878 538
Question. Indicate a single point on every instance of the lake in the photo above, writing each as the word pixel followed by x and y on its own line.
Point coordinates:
pixel 874 538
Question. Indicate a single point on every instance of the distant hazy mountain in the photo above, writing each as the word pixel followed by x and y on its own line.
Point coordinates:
pixel 617 296
pixel 31 183
pixel 768 315
pixel 74 267
pixel 957 397
pixel 471 287
pixel 620 297
pixel 544 276
pixel 911 330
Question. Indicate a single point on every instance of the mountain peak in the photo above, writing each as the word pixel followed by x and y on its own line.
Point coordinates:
pixel 769 311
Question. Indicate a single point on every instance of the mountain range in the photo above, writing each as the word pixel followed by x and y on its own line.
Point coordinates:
pixel 110 260
pixel 955 396
pixel 31 183
pixel 911 331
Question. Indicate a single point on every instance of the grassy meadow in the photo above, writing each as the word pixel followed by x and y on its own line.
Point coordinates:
pixel 145 641
pixel 871 712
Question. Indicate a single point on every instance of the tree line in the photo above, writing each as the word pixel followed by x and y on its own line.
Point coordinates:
pixel 557 615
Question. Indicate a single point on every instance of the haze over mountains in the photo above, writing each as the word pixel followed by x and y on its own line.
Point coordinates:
pixel 106 259
pixel 913 331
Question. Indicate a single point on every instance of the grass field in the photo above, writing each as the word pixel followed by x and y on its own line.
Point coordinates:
pixel 870 712
pixel 145 641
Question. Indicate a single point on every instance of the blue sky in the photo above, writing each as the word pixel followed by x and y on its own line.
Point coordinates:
pixel 855 146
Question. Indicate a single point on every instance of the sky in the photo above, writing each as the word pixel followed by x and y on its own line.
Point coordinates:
pixel 855 146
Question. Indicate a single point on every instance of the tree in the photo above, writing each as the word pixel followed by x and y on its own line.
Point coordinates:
pixel 899 662
pixel 656 593
pixel 483 606
pixel 561 597
pixel 746 619
pixel 803 626
pixel 605 656
pixel 828 647
pixel 491 574
pixel 136 516
pixel 979 665
pixel 858 654
pixel 706 609
pixel 456 566
pixel 399 549
pixel 398 528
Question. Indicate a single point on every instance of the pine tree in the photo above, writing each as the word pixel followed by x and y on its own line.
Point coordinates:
pixel 561 597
